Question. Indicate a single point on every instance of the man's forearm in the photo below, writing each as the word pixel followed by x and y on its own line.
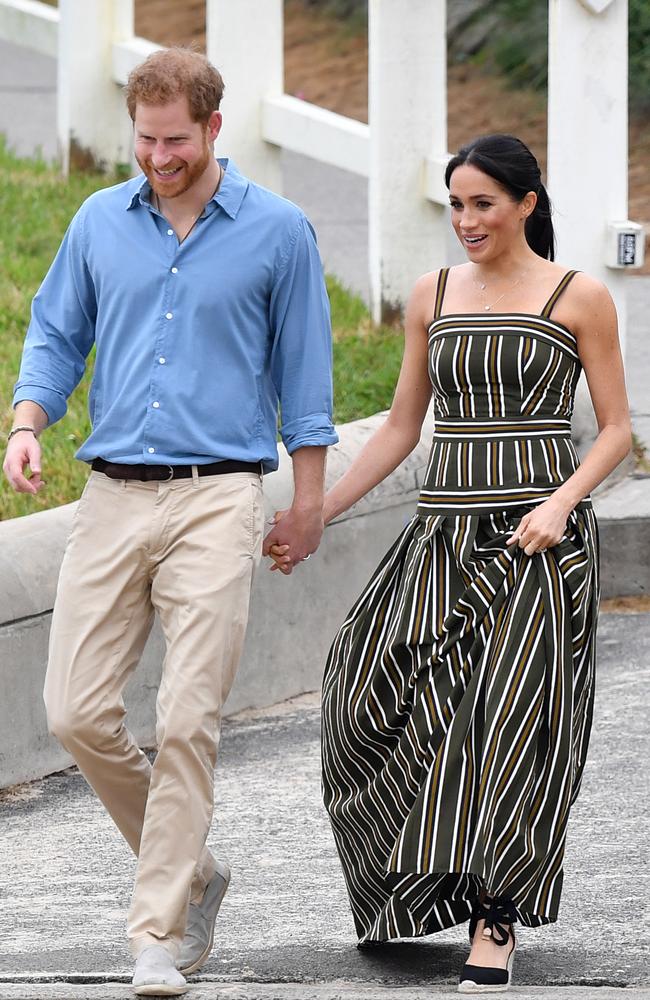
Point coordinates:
pixel 309 478
pixel 300 530
pixel 30 414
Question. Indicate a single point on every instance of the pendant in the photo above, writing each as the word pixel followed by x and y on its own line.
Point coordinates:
pixel 487 308
pixel 482 287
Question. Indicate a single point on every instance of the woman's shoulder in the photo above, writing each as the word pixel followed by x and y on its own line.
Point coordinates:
pixel 430 288
pixel 583 286
pixel 425 291
pixel 585 303
pixel 431 279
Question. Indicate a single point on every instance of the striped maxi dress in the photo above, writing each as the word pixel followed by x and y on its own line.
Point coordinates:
pixel 458 693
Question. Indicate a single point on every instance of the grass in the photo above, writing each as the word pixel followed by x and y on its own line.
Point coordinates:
pixel 36 205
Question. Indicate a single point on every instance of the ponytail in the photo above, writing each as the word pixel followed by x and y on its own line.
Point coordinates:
pixel 539 226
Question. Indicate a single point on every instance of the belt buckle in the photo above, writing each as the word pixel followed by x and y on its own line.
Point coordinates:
pixel 171 474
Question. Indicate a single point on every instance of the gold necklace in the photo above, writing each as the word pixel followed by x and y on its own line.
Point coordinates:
pixel 196 217
pixel 482 285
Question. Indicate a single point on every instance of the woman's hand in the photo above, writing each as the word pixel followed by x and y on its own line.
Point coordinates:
pixel 277 553
pixel 541 528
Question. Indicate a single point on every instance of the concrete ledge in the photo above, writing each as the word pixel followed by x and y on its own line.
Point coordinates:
pixel 291 625
pixel 623 514
pixel 292 619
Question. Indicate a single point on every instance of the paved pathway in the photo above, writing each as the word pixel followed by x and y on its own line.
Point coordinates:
pixel 65 875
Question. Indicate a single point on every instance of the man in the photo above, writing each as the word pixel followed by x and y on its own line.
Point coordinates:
pixel 204 296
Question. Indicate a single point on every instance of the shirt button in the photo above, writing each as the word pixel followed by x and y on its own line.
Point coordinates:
pixel 174 270
pixel 169 315
pixel 155 405
pixel 151 450
pixel 170 232
pixel 161 361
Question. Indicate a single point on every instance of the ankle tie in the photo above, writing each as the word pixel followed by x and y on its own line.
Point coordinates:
pixel 499 914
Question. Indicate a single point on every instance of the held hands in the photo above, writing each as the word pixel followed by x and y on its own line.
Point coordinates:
pixel 278 553
pixel 24 450
pixel 295 535
pixel 541 528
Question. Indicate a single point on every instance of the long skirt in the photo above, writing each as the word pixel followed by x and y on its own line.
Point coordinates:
pixel 457 705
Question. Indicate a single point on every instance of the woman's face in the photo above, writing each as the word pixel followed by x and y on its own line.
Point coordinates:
pixel 487 220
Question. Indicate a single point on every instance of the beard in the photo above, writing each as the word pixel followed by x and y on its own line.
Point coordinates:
pixel 187 176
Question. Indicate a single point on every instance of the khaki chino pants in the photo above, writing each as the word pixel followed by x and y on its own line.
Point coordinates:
pixel 186 549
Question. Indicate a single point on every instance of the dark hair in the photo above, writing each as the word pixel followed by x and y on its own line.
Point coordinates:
pixel 512 165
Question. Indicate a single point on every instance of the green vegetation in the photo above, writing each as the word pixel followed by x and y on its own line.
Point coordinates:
pixel 36 205
pixel 35 208
pixel 639 13
pixel 519 48
pixel 366 359
pixel 352 13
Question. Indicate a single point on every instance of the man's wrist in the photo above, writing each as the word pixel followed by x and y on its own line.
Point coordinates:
pixel 19 428
pixel 308 507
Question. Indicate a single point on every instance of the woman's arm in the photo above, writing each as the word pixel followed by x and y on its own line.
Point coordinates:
pixel 596 329
pixel 595 325
pixel 400 432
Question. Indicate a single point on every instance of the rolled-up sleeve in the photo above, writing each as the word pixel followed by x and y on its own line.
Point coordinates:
pixel 301 358
pixel 61 332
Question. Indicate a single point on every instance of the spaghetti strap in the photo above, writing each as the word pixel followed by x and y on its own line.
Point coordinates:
pixel 564 283
pixel 440 290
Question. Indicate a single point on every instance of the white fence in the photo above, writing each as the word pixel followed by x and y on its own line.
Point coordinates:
pixel 404 149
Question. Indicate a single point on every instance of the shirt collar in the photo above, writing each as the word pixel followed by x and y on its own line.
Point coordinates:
pixel 230 195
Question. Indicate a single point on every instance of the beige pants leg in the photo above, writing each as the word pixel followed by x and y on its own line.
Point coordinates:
pixel 188 550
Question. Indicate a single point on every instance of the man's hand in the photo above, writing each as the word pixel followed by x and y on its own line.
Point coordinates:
pixel 295 535
pixel 24 450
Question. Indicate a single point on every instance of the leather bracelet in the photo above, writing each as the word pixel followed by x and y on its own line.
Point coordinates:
pixel 15 430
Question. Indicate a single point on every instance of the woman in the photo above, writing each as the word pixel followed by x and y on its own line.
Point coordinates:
pixel 458 693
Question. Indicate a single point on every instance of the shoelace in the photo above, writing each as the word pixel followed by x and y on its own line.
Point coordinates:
pixel 499 914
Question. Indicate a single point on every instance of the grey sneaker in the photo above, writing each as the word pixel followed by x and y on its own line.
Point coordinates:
pixel 201 917
pixel 156 975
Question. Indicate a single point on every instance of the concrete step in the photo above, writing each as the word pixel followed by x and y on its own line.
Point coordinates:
pixel 623 514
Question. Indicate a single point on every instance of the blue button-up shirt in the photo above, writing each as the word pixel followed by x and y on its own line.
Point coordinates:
pixel 197 342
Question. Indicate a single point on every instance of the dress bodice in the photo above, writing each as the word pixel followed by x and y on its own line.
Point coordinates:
pixel 503 388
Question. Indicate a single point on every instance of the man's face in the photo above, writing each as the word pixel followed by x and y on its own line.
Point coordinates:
pixel 172 150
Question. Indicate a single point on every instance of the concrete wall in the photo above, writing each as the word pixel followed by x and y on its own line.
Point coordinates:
pixel 293 619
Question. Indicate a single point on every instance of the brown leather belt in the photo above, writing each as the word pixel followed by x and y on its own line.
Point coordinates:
pixel 165 473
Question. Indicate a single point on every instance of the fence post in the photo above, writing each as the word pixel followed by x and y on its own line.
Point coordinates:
pixel 245 41
pixel 407 97
pixel 587 132
pixel 91 115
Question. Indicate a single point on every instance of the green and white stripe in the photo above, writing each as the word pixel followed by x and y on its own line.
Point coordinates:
pixel 458 693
